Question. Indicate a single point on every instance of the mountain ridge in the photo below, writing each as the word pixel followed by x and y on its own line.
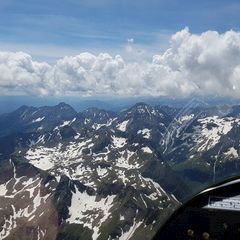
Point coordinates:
pixel 108 175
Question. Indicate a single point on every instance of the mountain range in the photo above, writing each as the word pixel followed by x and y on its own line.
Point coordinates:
pixel 99 174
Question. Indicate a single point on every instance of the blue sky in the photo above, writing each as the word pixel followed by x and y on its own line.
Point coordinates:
pixel 52 29
pixel 96 48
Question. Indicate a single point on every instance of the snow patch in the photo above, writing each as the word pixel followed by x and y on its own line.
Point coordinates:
pixel 232 152
pixel 119 142
pixel 40 158
pixel 147 150
pixel 186 118
pixel 67 123
pixel 85 209
pixel 127 235
pixel 145 132
pixel 209 133
pixel 38 119
pixel 123 126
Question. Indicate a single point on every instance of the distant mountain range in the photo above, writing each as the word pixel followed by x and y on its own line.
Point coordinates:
pixel 117 104
pixel 99 174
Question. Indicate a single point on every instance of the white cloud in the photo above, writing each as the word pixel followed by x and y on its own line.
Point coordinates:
pixel 130 40
pixel 87 74
pixel 21 75
pixel 204 64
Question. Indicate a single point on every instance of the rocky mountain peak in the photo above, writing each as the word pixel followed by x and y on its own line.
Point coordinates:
pixel 64 106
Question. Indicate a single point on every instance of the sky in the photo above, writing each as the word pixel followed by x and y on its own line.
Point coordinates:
pixel 119 47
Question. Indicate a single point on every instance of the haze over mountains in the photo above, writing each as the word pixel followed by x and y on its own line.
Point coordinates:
pixel 100 174
pixel 113 103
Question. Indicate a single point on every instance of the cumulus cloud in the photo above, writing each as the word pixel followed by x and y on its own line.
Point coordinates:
pixel 207 64
pixel 130 40
pixel 203 64
pixel 20 74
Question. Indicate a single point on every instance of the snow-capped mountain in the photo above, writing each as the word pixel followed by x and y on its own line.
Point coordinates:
pixel 203 146
pixel 106 175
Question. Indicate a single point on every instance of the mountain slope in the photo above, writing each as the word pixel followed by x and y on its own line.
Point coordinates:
pixel 104 175
pixel 98 186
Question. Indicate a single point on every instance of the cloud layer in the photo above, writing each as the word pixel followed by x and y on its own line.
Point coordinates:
pixel 204 64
